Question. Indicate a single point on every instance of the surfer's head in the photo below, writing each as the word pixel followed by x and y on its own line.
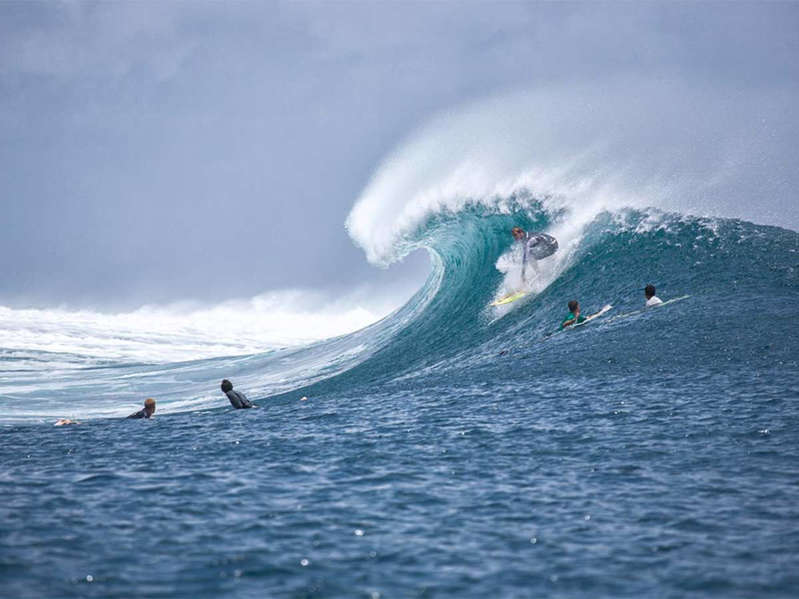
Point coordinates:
pixel 574 306
pixel 149 405
pixel 518 233
pixel 226 386
pixel 649 291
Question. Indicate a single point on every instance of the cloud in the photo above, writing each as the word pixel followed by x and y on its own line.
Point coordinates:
pixel 105 39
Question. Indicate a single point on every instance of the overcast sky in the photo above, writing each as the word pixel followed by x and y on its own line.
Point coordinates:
pixel 156 151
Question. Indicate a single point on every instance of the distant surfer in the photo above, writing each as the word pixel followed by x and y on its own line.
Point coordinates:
pixel 237 400
pixel 536 246
pixel 651 298
pixel 575 317
pixel 147 412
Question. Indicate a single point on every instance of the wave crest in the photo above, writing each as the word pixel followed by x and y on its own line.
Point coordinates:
pixel 582 150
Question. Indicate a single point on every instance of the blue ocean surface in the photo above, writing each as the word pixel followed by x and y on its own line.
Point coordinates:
pixel 449 450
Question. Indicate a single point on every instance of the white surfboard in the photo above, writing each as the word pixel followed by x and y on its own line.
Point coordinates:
pixel 605 308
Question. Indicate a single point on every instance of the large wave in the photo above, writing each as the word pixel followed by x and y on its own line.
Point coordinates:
pixel 638 182
pixel 449 324
pixel 581 150
pixel 636 189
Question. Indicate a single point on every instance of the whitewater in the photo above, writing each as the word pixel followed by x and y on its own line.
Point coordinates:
pixel 435 445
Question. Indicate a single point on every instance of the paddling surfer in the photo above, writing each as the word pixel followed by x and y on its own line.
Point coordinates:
pixel 237 400
pixel 147 412
pixel 575 317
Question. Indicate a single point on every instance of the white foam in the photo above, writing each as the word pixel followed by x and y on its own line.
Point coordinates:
pixel 585 149
pixel 185 331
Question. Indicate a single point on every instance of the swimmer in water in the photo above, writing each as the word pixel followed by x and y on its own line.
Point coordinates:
pixel 237 400
pixel 147 412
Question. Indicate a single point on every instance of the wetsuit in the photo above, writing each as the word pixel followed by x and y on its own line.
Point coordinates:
pixel 538 246
pixel 238 400
pixel 571 317
pixel 143 413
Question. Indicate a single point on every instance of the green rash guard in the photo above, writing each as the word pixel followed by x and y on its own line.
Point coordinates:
pixel 571 317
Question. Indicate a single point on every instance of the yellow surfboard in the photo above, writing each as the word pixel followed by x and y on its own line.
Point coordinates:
pixel 509 298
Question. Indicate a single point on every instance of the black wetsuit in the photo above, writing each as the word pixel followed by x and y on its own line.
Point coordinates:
pixel 238 400
pixel 143 413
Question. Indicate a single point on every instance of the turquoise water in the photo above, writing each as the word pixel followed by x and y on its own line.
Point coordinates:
pixel 451 449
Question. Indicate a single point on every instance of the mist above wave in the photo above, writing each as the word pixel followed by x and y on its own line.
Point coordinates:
pixel 585 149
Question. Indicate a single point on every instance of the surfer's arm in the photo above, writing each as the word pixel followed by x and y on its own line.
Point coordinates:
pixel 595 314
pixel 568 323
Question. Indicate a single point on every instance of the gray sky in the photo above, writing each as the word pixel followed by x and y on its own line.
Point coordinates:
pixel 161 151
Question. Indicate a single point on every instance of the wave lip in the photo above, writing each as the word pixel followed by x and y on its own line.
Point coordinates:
pixel 585 149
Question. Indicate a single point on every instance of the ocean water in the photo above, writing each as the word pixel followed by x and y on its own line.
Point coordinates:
pixel 450 449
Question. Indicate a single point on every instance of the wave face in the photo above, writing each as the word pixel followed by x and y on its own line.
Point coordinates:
pixel 739 277
pixel 731 278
